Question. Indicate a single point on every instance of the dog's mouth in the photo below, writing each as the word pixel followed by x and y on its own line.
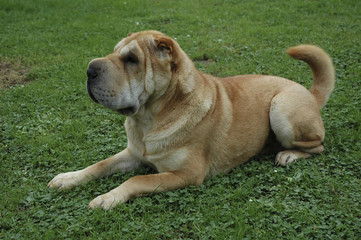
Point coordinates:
pixel 128 111
pixel 91 94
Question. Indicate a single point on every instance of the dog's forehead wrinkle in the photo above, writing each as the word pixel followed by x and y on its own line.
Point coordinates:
pixel 129 48
pixel 119 44
pixel 152 43
pixel 124 51
pixel 148 36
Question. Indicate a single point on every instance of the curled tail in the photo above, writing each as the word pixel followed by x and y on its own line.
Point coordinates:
pixel 322 69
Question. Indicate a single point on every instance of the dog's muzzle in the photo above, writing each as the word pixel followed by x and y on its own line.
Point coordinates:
pixel 100 94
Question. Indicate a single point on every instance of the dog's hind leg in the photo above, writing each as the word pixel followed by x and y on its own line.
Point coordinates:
pixel 296 121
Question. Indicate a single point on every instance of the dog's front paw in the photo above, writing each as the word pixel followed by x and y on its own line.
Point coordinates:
pixel 66 180
pixel 109 200
pixel 106 201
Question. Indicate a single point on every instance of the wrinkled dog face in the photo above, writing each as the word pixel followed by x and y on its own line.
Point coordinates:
pixel 124 80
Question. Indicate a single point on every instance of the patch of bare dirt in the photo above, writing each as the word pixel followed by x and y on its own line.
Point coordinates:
pixel 12 73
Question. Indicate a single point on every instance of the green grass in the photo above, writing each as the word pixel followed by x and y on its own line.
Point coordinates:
pixel 50 125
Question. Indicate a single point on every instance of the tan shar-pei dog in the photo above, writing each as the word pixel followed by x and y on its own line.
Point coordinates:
pixel 189 125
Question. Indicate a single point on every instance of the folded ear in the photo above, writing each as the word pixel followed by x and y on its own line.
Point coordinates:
pixel 166 46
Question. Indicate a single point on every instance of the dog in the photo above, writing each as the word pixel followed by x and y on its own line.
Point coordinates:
pixel 189 125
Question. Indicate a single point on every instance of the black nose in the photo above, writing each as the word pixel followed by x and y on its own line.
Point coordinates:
pixel 91 73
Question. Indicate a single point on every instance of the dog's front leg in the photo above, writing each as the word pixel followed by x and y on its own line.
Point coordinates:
pixel 123 161
pixel 145 184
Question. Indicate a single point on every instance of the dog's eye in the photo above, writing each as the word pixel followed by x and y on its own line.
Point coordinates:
pixel 131 59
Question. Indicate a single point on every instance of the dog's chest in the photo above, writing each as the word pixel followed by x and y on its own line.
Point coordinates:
pixel 137 130
pixel 154 151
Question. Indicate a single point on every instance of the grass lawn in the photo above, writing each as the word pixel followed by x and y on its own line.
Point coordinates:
pixel 49 125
